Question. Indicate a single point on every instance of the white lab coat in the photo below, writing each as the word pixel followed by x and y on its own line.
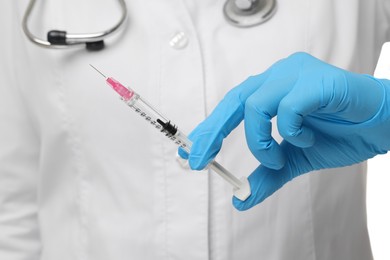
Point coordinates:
pixel 83 177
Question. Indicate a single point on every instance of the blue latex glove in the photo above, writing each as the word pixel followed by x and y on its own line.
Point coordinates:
pixel 327 116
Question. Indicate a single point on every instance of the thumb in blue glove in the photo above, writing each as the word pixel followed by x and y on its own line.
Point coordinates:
pixel 327 116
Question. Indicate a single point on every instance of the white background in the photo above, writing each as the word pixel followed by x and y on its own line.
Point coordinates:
pixel 378 205
pixel 378 181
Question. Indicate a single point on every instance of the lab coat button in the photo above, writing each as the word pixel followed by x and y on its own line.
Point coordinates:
pixel 179 41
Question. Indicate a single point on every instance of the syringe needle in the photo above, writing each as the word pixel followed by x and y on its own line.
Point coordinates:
pixel 98 71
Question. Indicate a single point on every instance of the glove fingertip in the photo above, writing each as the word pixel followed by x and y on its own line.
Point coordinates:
pixel 197 163
pixel 183 154
pixel 263 182
pixel 239 204
pixel 273 157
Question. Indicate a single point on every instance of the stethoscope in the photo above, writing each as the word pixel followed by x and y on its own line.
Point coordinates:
pixel 240 13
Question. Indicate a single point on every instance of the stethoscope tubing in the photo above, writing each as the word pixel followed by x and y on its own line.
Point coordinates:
pixel 72 39
pixel 238 13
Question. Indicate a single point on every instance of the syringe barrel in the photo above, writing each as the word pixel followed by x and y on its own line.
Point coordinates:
pixel 145 110
pixel 151 115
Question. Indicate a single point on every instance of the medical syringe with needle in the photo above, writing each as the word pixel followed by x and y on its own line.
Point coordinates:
pixel 241 188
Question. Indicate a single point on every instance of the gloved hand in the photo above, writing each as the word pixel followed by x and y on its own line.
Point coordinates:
pixel 327 116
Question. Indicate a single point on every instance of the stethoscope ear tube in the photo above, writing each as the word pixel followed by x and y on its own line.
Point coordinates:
pixel 57 39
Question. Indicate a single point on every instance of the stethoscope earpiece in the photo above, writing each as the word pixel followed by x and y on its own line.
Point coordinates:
pixel 56 37
pixel 95 46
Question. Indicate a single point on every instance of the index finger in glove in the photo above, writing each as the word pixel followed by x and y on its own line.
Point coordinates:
pixel 208 136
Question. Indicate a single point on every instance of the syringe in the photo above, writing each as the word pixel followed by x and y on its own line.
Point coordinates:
pixel 241 188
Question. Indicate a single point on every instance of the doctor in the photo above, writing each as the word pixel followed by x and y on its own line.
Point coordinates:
pixel 81 177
